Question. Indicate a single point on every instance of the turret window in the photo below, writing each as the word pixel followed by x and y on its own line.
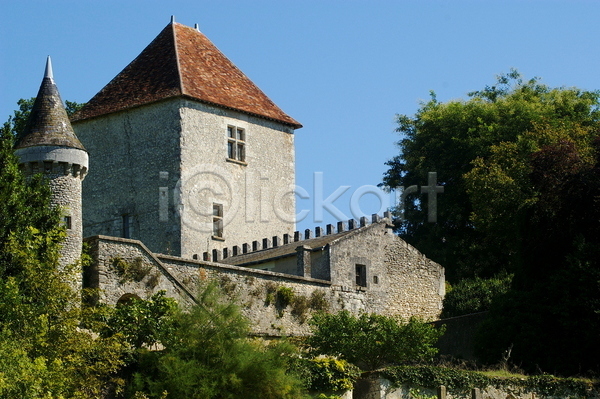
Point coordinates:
pixel 126 225
pixel 236 144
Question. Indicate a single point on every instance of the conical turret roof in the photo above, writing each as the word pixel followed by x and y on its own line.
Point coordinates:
pixel 48 123
pixel 181 61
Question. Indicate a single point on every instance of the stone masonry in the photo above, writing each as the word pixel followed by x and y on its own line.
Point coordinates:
pixel 407 283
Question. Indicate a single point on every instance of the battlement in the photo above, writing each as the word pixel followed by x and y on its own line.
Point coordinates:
pixel 276 241
pixel 54 160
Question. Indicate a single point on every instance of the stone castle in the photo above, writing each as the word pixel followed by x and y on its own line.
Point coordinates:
pixel 191 177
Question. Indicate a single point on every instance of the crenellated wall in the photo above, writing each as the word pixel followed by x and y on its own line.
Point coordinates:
pixel 400 280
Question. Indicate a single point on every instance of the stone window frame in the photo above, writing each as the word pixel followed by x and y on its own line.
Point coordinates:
pixel 236 144
pixel 360 274
pixel 217 221
pixel 68 222
pixel 367 276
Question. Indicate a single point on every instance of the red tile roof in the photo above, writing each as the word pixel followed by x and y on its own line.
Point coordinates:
pixel 181 61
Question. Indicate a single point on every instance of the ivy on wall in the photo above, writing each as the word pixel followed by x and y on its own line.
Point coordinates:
pixel 462 381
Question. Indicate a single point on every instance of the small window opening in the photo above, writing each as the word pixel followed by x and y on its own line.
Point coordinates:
pixel 126 229
pixel 236 143
pixel 67 222
pixel 361 275
pixel 375 280
pixel 218 220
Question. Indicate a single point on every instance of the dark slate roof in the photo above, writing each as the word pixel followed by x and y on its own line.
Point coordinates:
pixel 288 249
pixel 181 61
pixel 48 122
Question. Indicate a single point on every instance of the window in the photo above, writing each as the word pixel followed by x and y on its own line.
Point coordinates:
pixel 236 143
pixel 218 220
pixel 67 222
pixel 361 275
pixel 126 220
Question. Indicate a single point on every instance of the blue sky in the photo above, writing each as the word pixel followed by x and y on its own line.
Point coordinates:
pixel 344 69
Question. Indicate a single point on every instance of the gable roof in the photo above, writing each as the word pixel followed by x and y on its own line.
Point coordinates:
pixel 181 61
pixel 48 123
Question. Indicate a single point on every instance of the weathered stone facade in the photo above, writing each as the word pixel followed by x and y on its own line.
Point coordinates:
pixel 193 168
pixel 162 166
pixel 407 283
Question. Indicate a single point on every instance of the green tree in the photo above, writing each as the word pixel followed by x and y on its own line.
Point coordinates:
pixel 18 120
pixel 480 149
pixel 142 323
pixel 474 295
pixel 551 317
pixel 43 352
pixel 208 354
pixel 371 341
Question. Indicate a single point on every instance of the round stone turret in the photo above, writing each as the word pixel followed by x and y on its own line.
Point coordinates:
pixel 48 145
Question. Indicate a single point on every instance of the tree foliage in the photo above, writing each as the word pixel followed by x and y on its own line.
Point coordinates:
pixel 372 341
pixel 520 166
pixel 43 353
pixel 481 149
pixel 474 295
pixel 208 355
pixel 551 317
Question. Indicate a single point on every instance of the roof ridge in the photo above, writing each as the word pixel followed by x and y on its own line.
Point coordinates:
pixel 178 64
pixel 182 61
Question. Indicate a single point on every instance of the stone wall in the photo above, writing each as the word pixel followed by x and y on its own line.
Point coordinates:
pixel 261 292
pixel 376 388
pixel 399 279
pixel 65 168
pixel 165 164
pixel 256 194
pixel 129 151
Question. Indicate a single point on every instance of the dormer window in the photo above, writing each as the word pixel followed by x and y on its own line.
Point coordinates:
pixel 236 144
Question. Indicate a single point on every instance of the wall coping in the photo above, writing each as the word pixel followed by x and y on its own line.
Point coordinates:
pixel 197 262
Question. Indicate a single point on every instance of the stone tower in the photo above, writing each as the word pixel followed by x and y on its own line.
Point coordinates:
pixel 48 145
pixel 188 155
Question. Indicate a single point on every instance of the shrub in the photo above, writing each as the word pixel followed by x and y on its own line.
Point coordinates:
pixel 131 271
pixel 474 295
pixel 208 355
pixel 285 296
pixel 300 307
pixel 371 341
pixel 318 301
pixel 329 374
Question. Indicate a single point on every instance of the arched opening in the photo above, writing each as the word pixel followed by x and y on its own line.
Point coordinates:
pixel 127 298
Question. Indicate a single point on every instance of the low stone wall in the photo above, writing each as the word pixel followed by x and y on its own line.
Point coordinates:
pixel 376 388
pixel 279 304
pixel 276 304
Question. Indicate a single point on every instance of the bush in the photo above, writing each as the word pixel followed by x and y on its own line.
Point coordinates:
pixel 285 296
pixel 208 355
pixel 329 374
pixel 474 295
pixel 318 301
pixel 371 341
